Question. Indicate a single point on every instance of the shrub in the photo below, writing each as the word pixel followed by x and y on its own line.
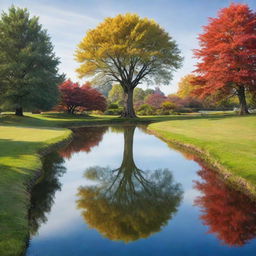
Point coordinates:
pixel 117 111
pixel 145 110
pixel 113 106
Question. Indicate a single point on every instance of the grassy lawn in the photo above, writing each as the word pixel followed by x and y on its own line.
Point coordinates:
pixel 231 140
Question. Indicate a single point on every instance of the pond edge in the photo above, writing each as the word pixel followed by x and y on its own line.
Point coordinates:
pixel 236 182
pixel 37 175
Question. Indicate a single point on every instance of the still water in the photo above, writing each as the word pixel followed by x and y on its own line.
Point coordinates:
pixel 120 191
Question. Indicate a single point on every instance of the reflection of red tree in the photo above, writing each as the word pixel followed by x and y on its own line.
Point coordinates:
pixel 229 213
pixel 84 140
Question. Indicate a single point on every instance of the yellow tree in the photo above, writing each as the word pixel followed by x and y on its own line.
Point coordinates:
pixel 185 86
pixel 128 49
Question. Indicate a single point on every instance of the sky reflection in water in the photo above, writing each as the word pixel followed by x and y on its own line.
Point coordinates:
pixel 120 191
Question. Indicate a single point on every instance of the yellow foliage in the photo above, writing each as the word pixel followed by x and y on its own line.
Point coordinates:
pixel 185 86
pixel 124 38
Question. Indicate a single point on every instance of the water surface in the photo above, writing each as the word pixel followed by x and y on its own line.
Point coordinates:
pixel 120 191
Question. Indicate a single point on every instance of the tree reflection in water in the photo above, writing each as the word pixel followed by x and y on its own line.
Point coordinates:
pixel 128 203
pixel 229 214
pixel 84 139
pixel 42 197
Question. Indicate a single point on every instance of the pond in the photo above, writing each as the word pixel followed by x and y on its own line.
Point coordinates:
pixel 121 191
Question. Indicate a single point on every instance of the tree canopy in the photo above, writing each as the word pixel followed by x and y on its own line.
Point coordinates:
pixel 186 86
pixel 74 96
pixel 227 54
pixel 28 67
pixel 128 49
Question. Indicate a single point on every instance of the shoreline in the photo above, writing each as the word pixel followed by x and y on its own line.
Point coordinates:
pixel 235 181
pixel 38 174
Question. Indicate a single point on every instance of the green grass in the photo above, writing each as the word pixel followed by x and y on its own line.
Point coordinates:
pixel 19 162
pixel 230 140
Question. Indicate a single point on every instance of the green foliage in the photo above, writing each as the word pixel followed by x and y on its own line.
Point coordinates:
pixel 28 67
pixel 116 95
pixel 113 106
pixel 114 109
pixel 138 95
pixel 146 110
pixel 167 105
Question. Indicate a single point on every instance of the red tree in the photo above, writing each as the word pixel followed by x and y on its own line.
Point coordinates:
pixel 74 96
pixel 227 54
pixel 155 99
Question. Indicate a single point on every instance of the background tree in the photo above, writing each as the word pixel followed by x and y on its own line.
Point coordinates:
pixel 128 199
pixel 116 95
pixel 186 86
pixel 128 49
pixel 138 96
pixel 228 54
pixel 74 96
pixel 155 100
pixel 28 67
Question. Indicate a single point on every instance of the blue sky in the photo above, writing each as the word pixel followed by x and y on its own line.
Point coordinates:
pixel 67 22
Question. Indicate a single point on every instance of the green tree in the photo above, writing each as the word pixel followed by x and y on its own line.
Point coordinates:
pixel 128 49
pixel 138 96
pixel 28 67
pixel 116 94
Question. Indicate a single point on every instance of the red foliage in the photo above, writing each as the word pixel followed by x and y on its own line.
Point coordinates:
pixel 84 139
pixel 230 214
pixel 155 100
pixel 83 97
pixel 227 52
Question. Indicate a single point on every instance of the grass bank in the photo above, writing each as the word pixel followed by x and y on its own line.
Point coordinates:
pixel 228 143
pixel 20 153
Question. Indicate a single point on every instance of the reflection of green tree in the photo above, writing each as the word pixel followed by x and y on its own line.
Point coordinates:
pixel 128 203
pixel 43 193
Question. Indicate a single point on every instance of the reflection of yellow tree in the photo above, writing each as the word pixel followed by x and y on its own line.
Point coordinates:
pixel 128 203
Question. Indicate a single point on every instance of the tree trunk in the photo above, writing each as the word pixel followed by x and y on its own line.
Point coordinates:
pixel 19 111
pixel 128 105
pixel 242 101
